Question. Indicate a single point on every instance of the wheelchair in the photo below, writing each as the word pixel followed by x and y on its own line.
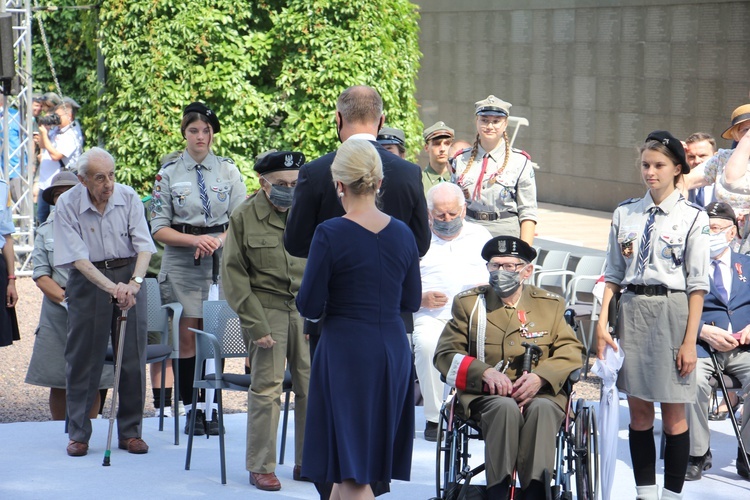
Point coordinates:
pixel 576 454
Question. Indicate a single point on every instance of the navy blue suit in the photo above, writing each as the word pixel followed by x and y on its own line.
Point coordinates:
pixel 738 309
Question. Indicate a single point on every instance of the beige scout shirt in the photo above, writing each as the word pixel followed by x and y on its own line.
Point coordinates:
pixel 256 271
pixel 176 197
pixel 512 190
pixel 460 348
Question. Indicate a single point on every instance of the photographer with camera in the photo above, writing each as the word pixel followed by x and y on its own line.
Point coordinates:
pixel 61 146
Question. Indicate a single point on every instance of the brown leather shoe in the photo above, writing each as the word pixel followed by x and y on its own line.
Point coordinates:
pixel 136 446
pixel 77 448
pixel 265 482
pixel 297 474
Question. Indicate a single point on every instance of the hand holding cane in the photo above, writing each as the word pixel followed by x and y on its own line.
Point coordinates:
pixel 121 325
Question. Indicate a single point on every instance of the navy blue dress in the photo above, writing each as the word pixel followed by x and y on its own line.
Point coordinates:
pixel 360 413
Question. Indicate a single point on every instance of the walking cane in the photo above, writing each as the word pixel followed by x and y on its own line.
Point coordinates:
pixel 121 324
pixel 532 354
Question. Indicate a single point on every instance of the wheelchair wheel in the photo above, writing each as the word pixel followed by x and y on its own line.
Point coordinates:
pixel 586 453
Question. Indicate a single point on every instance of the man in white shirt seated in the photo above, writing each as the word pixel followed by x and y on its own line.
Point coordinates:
pixel 452 264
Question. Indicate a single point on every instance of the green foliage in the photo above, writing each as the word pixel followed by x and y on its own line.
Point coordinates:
pixel 271 70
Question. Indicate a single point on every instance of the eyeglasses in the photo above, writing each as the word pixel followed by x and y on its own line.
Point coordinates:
pixel 491 122
pixel 507 266
pixel 280 183
pixel 718 229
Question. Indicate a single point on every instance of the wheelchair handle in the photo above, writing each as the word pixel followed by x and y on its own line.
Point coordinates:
pixel 532 354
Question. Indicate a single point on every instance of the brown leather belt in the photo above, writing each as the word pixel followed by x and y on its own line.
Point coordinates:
pixel 113 263
pixel 489 216
pixel 188 229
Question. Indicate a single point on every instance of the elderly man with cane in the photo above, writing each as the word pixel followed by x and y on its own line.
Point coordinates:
pixel 101 235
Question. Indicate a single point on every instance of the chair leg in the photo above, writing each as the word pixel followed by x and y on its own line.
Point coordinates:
pixel 176 400
pixel 221 437
pixel 191 430
pixel 283 428
pixel 161 395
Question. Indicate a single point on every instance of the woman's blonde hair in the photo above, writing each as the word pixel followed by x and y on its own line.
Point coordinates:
pixel 357 165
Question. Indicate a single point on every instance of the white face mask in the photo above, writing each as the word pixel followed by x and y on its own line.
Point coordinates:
pixel 718 243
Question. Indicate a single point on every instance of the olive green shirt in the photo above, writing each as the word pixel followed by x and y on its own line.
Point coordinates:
pixel 256 271
pixel 431 178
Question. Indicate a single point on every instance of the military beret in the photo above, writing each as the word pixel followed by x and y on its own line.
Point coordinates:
pixel 505 246
pixel 492 106
pixel 67 179
pixel 279 160
pixel 739 115
pixel 673 144
pixel 199 107
pixel 389 135
pixel 721 210
pixel 440 129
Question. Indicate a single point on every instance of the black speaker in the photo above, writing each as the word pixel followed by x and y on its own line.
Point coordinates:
pixel 7 59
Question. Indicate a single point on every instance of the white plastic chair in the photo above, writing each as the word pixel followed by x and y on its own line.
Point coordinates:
pixel 553 270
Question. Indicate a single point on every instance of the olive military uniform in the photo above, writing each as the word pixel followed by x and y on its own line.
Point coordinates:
pixel 261 281
pixel 462 356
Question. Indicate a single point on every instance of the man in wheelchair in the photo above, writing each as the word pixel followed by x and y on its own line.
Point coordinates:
pixel 480 353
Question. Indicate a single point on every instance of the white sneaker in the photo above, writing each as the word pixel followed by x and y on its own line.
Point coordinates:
pixel 180 409
pixel 167 412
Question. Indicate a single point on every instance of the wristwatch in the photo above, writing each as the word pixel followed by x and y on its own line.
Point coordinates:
pixel 137 279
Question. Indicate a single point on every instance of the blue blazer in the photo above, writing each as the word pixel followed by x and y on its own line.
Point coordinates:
pixel 716 311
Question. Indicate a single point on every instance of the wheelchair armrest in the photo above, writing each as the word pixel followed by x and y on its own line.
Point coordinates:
pixel 574 377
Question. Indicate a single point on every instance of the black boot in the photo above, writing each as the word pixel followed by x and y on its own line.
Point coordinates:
pixel 213 425
pixel 200 423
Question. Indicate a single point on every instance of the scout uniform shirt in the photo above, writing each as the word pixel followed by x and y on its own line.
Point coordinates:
pixel 679 254
pixel 176 195
pixel 256 270
pixel 431 178
pixel 470 344
pixel 512 189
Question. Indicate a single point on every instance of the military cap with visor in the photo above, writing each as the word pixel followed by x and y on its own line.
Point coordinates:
pixel 439 129
pixel 388 135
pixel 492 106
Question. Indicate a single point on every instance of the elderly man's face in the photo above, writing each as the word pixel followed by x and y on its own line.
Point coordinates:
pixel 446 208
pixel 279 187
pixel 100 179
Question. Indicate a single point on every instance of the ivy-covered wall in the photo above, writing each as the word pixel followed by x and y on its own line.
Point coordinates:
pixel 271 70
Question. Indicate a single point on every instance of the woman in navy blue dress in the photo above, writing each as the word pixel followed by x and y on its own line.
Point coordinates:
pixel 362 271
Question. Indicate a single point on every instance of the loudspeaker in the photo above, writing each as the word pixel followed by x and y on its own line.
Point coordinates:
pixel 7 59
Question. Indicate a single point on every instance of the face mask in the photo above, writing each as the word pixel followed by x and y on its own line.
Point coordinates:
pixel 505 283
pixel 281 197
pixel 447 228
pixel 718 243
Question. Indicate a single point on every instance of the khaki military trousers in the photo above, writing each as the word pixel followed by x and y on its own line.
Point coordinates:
pixel 264 397
pixel 513 438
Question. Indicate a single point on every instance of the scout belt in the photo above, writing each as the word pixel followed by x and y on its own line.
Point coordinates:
pixel 188 229
pixel 489 216
pixel 648 290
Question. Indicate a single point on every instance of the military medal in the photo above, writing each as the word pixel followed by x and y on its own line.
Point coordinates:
pixel 524 326
pixel 738 267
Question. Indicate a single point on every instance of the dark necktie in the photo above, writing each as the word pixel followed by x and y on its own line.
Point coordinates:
pixel 700 197
pixel 204 194
pixel 719 281
pixel 645 248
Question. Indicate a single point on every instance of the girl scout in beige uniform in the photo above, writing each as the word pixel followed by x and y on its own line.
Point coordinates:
pixel 497 180
pixel 658 255
pixel 193 197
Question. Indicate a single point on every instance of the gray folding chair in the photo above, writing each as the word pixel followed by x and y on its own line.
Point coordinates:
pixel 223 339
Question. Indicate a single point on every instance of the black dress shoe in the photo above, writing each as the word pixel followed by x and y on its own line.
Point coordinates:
pixel 430 431
pixel 696 466
pixel 200 423
pixel 741 465
pixel 213 424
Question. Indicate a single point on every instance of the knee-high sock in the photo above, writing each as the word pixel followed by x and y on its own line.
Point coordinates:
pixel 676 452
pixel 187 373
pixel 643 455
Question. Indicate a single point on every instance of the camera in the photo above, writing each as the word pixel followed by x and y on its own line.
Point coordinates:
pixel 49 120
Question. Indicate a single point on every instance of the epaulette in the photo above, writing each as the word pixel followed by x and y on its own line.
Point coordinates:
pixel 629 201
pixel 541 293
pixel 224 158
pixel 691 204
pixel 521 151
pixel 474 291
pixel 169 163
pixel 45 223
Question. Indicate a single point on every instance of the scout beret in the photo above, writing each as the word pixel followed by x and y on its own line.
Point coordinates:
pixel 492 106
pixel 721 210
pixel 440 129
pixel 199 107
pixel 279 160
pixel 389 135
pixel 673 144
pixel 739 115
pixel 504 246
pixel 61 179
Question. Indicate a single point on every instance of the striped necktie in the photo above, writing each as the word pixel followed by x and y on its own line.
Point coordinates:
pixel 204 194
pixel 645 248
